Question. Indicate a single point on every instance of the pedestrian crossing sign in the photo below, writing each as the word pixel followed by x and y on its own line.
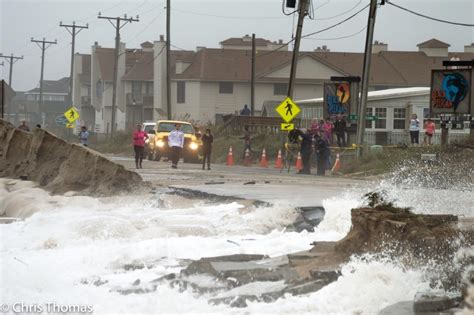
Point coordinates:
pixel 288 110
pixel 287 127
pixel 71 114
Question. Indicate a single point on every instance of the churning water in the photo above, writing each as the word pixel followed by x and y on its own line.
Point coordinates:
pixel 70 244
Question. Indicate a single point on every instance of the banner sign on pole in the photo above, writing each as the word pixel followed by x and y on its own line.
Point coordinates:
pixel 450 92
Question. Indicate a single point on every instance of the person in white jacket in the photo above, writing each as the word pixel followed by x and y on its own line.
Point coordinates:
pixel 176 144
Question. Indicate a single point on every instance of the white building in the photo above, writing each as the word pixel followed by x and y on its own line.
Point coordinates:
pixel 393 108
pixel 210 82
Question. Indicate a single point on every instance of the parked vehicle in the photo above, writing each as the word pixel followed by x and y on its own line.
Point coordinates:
pixel 159 146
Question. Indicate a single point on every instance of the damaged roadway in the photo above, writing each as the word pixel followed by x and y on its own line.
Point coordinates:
pixel 238 279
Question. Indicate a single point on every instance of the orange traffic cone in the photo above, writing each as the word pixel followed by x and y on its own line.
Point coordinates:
pixel 299 163
pixel 263 160
pixel 337 164
pixel 279 161
pixel 230 158
pixel 247 161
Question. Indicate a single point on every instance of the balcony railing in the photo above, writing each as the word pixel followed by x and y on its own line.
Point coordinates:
pixel 139 99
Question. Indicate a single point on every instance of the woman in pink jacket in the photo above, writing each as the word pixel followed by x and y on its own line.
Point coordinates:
pixel 327 130
pixel 139 137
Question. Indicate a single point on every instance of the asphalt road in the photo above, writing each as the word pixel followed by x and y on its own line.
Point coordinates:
pixel 265 184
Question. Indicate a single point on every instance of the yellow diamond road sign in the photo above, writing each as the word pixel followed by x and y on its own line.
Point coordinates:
pixel 71 114
pixel 288 109
pixel 70 126
pixel 287 127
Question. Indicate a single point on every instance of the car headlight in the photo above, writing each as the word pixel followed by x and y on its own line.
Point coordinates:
pixel 160 143
pixel 193 146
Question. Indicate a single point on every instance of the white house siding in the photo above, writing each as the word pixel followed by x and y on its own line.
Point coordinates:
pixel 191 105
pixel 308 68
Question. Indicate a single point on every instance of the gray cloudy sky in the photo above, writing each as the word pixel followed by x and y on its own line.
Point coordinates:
pixel 206 23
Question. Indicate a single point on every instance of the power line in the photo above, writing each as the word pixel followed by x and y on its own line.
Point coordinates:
pixel 231 17
pixel 338 15
pixel 341 37
pixel 316 32
pixel 337 24
pixel 429 17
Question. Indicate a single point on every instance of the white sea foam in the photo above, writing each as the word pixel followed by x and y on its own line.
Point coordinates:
pixel 71 242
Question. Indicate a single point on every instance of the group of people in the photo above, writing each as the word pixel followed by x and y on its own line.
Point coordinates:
pixel 327 129
pixel 311 142
pixel 24 126
pixel 415 126
pixel 176 145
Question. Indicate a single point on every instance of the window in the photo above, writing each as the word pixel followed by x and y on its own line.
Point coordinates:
pixel 399 118
pixel 226 87
pixel 99 88
pixel 368 112
pixel 181 91
pixel 136 88
pixel 381 114
pixel 280 88
pixel 149 88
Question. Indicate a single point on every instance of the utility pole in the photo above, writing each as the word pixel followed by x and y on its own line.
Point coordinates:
pixel 11 60
pixel 72 30
pixel 42 45
pixel 252 79
pixel 168 59
pixel 118 25
pixel 303 10
pixel 365 77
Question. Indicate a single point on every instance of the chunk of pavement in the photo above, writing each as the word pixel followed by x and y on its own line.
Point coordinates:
pixel 250 183
pixel 266 291
pixel 136 282
pixel 308 218
pixel 434 302
pixel 400 308
pixel 203 265
pixel 214 183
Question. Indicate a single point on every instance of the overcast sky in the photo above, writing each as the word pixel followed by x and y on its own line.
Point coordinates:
pixel 206 23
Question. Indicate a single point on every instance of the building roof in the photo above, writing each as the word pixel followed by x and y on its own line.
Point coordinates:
pixel 433 43
pixel 388 69
pixel 60 86
pixel 380 94
pixel 245 41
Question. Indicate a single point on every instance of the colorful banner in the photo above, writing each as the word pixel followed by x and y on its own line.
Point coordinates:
pixel 337 99
pixel 450 92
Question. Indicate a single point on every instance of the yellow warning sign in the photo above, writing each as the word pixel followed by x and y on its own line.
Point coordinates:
pixel 287 127
pixel 71 114
pixel 288 109
pixel 71 126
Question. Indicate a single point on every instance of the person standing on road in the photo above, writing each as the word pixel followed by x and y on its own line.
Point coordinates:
pixel 414 129
pixel 430 128
pixel 247 142
pixel 306 150
pixel 315 127
pixel 24 126
pixel 207 140
pixel 176 143
pixel 84 136
pixel 323 153
pixel 340 131
pixel 139 137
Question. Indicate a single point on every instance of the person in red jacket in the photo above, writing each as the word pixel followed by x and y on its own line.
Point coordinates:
pixel 139 137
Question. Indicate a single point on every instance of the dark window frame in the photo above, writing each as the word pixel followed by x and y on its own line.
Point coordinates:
pixel 381 122
pixel 226 87
pixel 280 88
pixel 181 92
pixel 399 122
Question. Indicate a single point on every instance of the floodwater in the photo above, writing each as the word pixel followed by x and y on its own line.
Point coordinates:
pixel 69 243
